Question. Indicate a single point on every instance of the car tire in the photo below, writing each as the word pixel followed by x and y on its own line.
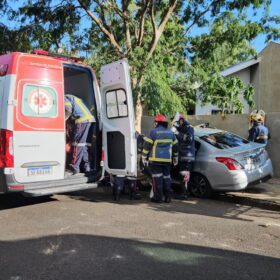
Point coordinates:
pixel 199 186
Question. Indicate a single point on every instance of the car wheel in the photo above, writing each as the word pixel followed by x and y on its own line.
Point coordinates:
pixel 199 186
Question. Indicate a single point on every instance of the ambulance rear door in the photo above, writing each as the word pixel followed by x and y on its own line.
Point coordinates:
pixel 39 127
pixel 119 138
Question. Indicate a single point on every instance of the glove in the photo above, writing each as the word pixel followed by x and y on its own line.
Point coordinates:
pixel 145 161
pixel 175 161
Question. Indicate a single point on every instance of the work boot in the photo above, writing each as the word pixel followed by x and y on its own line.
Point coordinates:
pixel 155 200
pixel 117 195
pixel 167 199
pixel 133 195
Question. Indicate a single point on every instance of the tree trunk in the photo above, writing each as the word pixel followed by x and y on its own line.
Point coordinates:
pixel 138 115
pixel 137 91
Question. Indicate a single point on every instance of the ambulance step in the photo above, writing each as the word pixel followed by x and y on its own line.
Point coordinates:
pixel 79 179
pixel 55 190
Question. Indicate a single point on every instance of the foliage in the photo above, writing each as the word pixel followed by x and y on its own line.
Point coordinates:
pixel 156 37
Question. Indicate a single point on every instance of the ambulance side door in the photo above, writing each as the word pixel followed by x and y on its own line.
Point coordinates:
pixel 119 138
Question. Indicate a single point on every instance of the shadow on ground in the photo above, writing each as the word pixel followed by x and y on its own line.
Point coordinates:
pixel 228 206
pixel 221 205
pixel 94 257
pixel 14 200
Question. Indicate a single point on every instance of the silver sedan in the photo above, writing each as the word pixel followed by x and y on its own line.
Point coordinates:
pixel 226 162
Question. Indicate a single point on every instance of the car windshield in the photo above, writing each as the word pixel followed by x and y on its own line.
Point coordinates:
pixel 224 140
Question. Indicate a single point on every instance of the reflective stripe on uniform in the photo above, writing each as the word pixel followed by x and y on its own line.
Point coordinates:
pixel 159 159
pixel 148 140
pixel 166 177
pixel 80 144
pixel 157 175
pixel 188 158
pixel 87 115
pixel 160 141
pixel 145 151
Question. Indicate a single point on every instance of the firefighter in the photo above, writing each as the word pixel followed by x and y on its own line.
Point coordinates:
pixel 82 118
pixel 159 150
pixel 258 133
pixel 186 148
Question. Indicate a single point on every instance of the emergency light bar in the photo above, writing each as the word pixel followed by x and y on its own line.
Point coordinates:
pixel 42 52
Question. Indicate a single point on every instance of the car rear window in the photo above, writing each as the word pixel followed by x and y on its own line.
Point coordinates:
pixel 224 140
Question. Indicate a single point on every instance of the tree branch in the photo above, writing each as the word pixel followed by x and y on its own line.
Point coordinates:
pixel 141 23
pixel 199 16
pixel 125 4
pixel 158 31
pixel 102 27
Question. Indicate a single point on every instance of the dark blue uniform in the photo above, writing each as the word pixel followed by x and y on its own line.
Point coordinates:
pixel 160 147
pixel 186 147
pixel 186 143
pixel 81 115
pixel 259 133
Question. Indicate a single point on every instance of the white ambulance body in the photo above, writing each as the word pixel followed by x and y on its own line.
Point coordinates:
pixel 32 122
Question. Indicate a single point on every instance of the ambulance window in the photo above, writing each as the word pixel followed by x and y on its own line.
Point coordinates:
pixel 116 104
pixel 39 101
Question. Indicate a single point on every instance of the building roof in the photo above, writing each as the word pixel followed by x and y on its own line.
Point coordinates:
pixel 240 66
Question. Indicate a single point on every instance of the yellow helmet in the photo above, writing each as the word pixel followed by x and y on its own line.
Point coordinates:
pixel 257 116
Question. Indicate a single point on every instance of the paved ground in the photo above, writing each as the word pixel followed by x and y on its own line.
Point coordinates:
pixel 86 235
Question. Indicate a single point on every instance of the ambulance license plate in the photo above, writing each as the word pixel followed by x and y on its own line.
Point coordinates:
pixel 39 171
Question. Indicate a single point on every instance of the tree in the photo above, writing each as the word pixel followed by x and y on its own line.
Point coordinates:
pixel 138 30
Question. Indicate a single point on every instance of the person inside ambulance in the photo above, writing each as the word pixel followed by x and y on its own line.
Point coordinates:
pixel 258 133
pixel 159 150
pixel 77 113
pixel 186 148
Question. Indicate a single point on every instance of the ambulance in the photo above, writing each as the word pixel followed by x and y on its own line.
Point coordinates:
pixel 33 156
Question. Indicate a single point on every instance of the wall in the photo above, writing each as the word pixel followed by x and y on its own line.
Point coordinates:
pixel 239 125
pixel 268 78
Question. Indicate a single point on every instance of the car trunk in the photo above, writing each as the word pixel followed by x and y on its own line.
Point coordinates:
pixel 251 155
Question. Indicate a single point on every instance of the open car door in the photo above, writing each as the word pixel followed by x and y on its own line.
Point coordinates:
pixel 119 138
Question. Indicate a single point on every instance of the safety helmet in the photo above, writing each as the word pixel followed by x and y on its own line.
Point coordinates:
pixel 160 118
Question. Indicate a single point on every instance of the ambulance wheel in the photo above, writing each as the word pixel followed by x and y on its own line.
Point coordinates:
pixel 199 186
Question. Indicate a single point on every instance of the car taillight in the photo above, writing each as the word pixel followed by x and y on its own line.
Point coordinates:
pixel 230 163
pixel 6 148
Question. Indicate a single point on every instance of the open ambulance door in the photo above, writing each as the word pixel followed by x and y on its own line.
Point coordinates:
pixel 118 129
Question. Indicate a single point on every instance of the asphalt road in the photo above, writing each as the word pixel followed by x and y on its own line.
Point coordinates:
pixel 86 235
